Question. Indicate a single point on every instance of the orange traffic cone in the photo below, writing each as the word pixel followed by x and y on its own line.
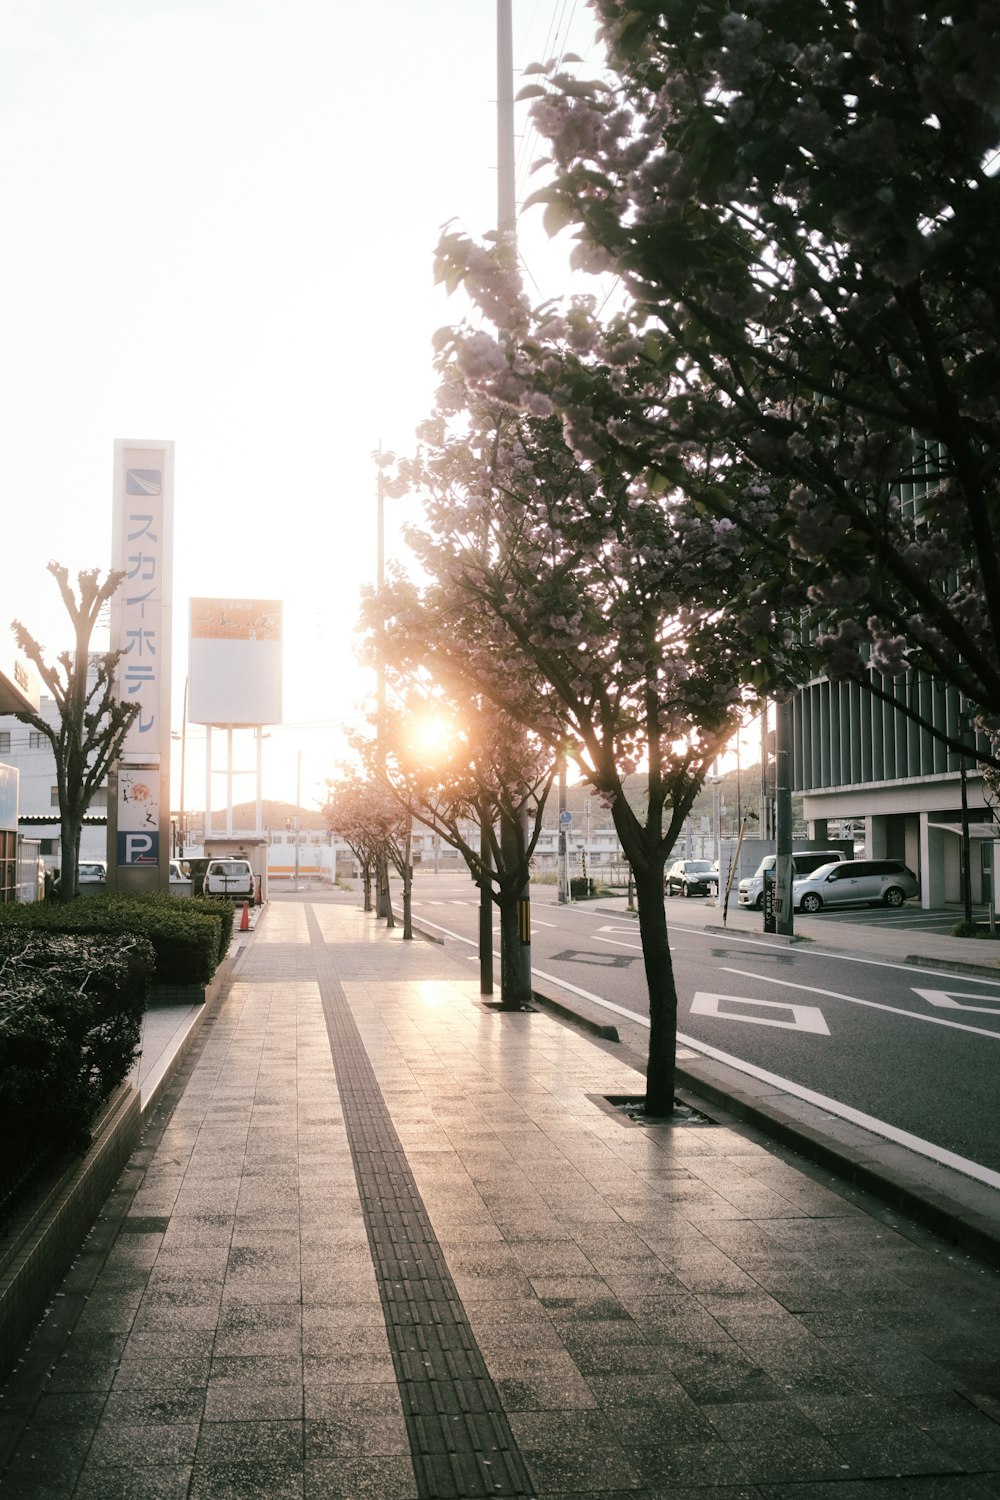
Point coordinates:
pixel 245 918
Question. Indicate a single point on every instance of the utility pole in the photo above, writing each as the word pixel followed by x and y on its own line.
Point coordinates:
pixel 381 868
pixel 783 818
pixel 298 816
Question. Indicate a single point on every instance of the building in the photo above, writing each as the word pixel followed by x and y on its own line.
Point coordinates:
pixel 29 752
pixel 857 758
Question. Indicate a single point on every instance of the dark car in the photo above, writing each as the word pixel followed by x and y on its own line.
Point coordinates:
pixel 691 877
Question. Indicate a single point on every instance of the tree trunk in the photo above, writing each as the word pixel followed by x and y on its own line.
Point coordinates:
pixel 366 885
pixel 662 1062
pixel 69 854
pixel 387 912
pixel 408 901
pixel 513 992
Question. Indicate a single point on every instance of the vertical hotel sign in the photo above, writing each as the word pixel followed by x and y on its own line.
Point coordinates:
pixel 141 623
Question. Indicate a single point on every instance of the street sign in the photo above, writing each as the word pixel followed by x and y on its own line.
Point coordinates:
pixel 565 819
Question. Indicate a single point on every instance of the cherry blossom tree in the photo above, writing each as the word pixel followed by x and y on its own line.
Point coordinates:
pixel 590 609
pixel 92 723
pixel 800 200
pixel 488 769
pixel 361 810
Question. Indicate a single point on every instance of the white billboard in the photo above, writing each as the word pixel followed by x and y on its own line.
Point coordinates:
pixel 234 662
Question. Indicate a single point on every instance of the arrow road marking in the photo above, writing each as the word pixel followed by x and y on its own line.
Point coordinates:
pixel 804 1017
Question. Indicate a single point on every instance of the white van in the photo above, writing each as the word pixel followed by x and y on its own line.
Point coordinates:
pixel 230 877
pixel 804 861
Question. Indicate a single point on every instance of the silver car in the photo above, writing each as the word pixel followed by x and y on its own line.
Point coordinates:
pixel 860 882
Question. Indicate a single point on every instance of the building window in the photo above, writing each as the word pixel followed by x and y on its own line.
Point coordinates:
pixel 4 741
pixel 36 739
pixel 53 796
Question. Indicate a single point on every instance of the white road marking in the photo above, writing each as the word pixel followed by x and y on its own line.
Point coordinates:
pixel 951 1000
pixel 804 1017
pixel 893 1010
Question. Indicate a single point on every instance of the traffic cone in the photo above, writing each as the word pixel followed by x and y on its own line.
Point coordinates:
pixel 245 918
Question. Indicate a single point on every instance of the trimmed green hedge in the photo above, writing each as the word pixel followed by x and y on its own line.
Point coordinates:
pixel 189 937
pixel 71 1009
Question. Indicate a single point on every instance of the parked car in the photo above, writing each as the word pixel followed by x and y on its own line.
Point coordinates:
pixel 230 877
pixel 870 882
pixel 691 877
pixel 804 861
pixel 90 870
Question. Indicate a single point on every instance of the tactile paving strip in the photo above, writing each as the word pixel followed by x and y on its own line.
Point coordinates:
pixel 460 1441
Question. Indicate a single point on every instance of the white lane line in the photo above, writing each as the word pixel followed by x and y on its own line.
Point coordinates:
pixel 893 1010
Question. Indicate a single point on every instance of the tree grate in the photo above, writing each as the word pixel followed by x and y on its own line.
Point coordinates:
pixel 461 1444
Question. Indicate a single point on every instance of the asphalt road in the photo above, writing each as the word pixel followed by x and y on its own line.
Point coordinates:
pixel 910 1049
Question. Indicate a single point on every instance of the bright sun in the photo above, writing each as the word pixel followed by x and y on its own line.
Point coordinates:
pixel 432 735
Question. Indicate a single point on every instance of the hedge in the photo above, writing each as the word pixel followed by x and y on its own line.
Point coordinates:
pixel 190 937
pixel 71 1010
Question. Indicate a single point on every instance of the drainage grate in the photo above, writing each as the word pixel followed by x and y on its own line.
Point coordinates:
pixel 460 1441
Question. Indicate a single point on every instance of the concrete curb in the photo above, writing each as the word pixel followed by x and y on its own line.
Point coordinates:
pixel 209 994
pixel 955 965
pixel 584 1023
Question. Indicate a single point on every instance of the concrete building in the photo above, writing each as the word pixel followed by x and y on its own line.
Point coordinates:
pixel 29 752
pixel 854 757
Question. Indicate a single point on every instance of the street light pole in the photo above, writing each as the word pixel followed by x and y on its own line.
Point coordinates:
pixel 963 723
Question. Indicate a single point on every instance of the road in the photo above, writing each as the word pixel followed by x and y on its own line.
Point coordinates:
pixel 912 1052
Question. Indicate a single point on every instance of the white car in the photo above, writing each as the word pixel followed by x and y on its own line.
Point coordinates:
pixel 230 877
pixel 869 882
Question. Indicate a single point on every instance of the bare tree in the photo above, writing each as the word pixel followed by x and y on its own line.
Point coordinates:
pixel 92 723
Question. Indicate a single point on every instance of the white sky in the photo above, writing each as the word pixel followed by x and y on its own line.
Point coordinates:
pixel 220 219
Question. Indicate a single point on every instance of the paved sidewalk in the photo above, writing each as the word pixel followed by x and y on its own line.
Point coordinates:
pixel 383 1242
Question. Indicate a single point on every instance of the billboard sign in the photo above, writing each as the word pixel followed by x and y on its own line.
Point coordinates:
pixel 141 624
pixel 234 662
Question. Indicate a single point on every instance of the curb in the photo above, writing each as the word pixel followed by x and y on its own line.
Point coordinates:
pixel 584 1023
pixel 956 966
pixel 209 993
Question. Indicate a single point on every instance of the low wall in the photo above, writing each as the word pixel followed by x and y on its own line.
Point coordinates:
pixel 46 1236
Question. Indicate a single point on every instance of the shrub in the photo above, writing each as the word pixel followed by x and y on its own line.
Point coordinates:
pixel 71 1009
pixel 190 937
pixel 967 929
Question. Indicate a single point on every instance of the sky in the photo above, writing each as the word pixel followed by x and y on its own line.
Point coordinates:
pixel 220 225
